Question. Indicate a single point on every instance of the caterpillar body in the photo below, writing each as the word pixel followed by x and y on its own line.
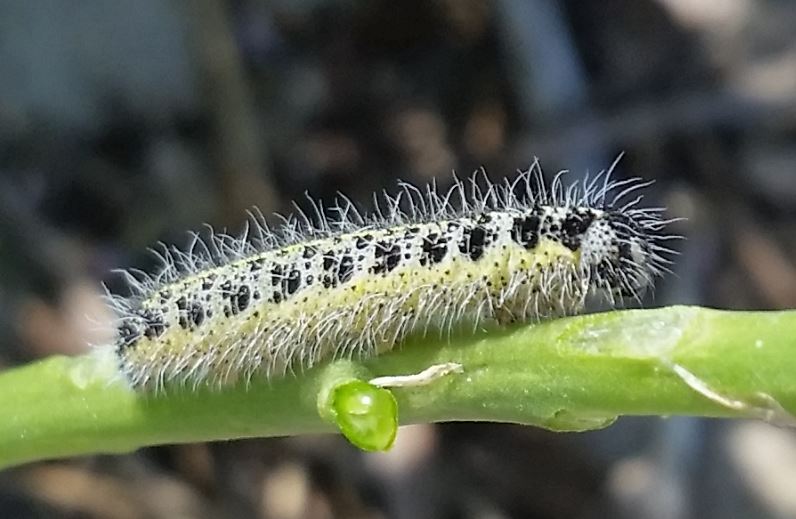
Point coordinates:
pixel 232 308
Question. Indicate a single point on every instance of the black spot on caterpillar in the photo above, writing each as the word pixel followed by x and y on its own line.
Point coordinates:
pixel 229 309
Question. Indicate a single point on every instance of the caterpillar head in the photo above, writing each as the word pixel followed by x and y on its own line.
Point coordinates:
pixel 615 251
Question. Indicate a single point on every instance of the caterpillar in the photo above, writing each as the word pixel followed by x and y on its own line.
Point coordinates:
pixel 336 283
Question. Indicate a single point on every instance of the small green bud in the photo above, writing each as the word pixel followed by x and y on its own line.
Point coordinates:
pixel 366 415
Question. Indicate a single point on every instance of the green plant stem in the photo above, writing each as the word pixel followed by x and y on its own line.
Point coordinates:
pixel 568 374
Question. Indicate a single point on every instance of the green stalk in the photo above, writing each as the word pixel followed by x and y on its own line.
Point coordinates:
pixel 576 373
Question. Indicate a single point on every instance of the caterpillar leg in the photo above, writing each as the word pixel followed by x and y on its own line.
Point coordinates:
pixel 425 377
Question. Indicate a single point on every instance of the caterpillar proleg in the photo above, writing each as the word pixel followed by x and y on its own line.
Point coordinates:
pixel 321 287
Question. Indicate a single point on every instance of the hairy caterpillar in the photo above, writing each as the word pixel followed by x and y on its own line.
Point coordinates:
pixel 230 308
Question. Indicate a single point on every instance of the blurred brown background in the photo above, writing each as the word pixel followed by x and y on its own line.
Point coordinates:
pixel 126 123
